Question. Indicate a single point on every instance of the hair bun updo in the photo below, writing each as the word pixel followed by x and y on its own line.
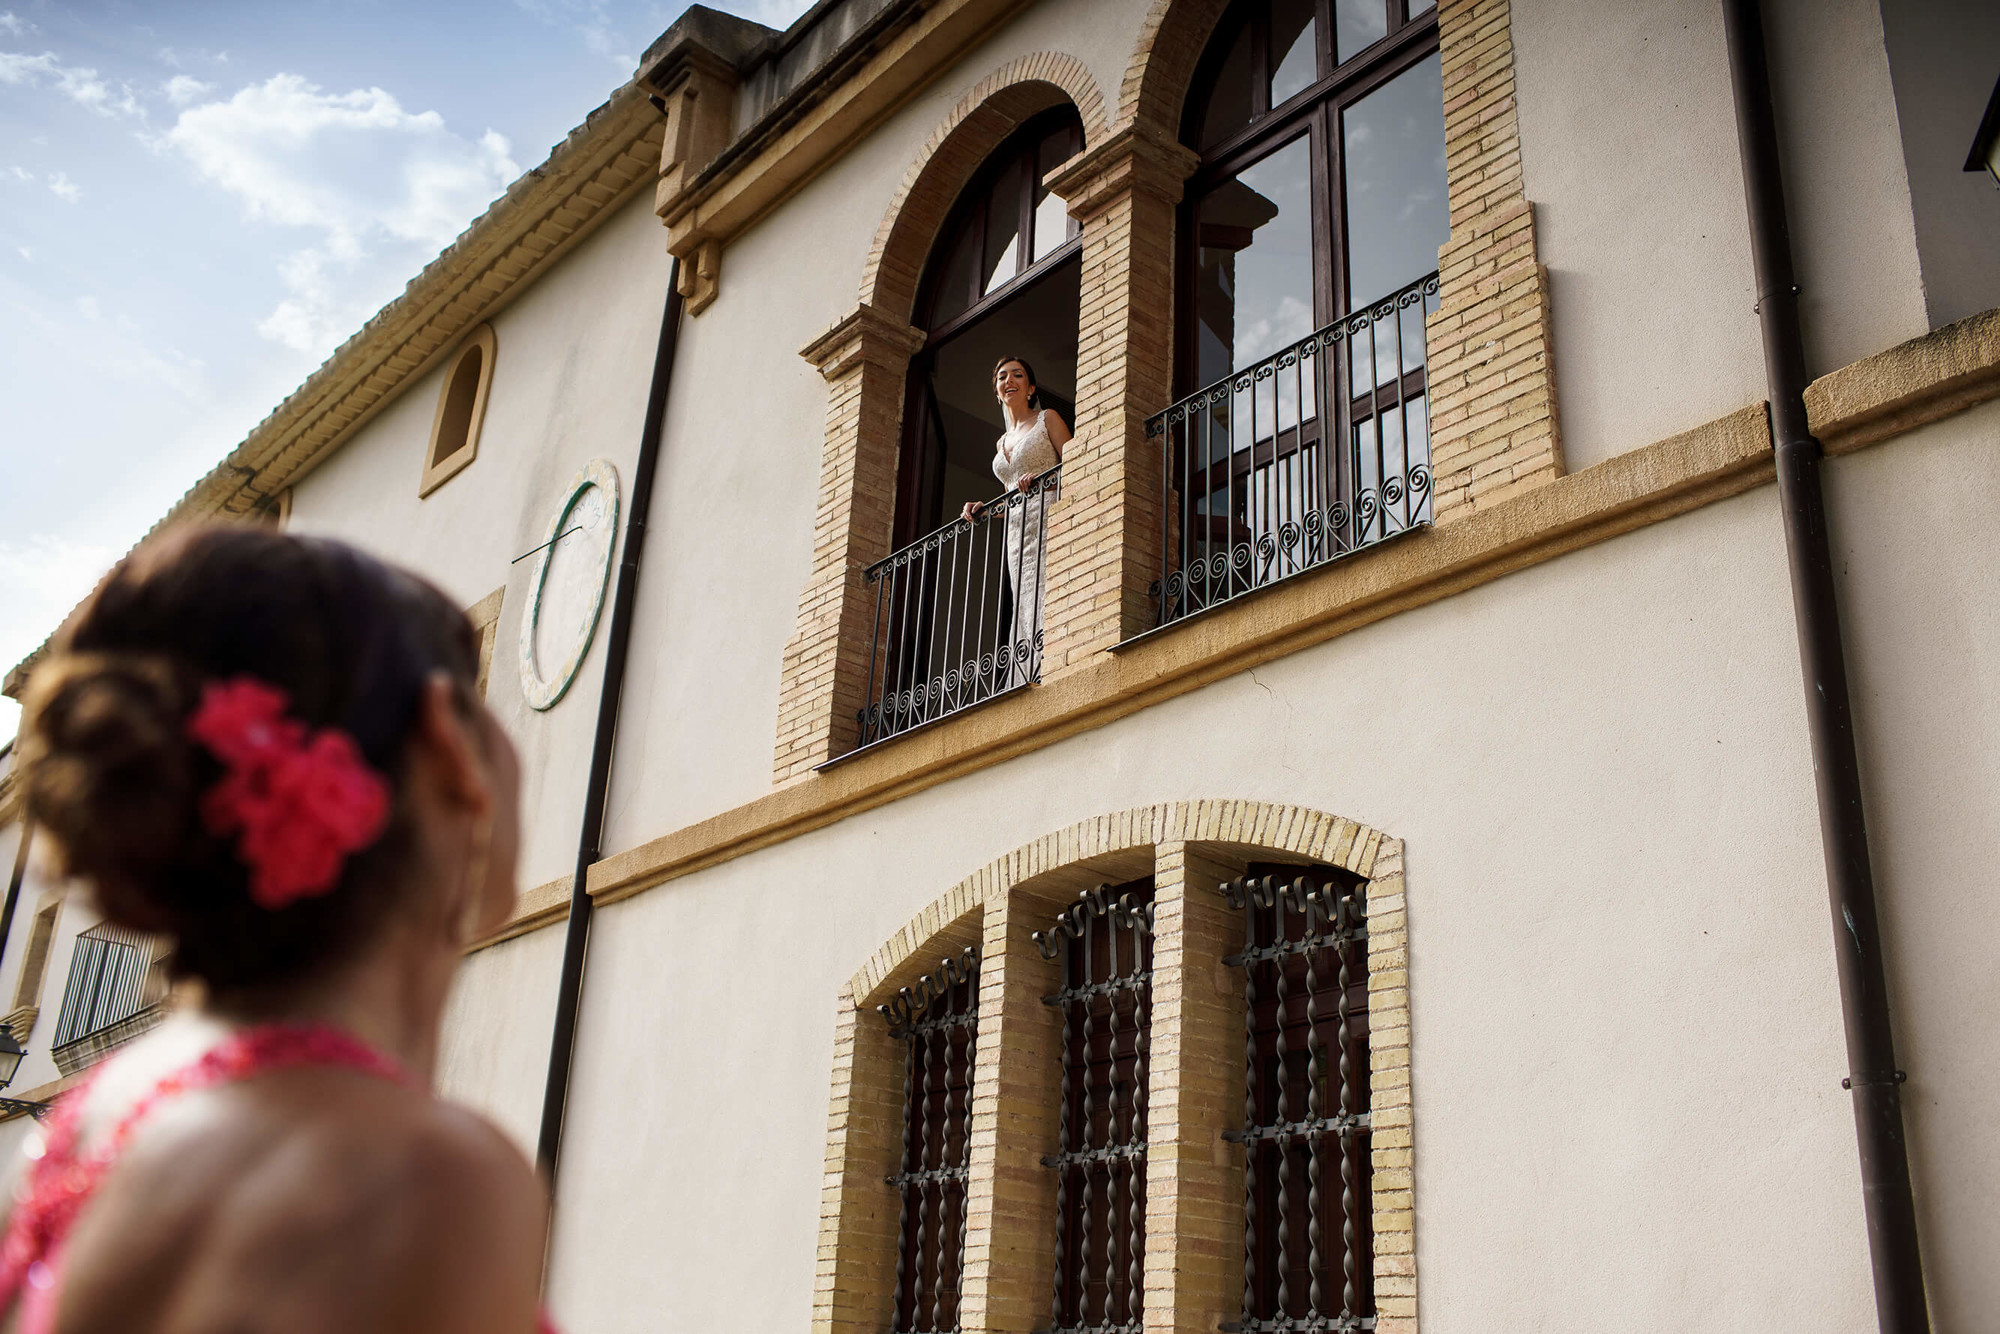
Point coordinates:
pixel 112 775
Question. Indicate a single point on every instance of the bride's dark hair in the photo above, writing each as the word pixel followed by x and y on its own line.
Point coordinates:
pixel 1035 391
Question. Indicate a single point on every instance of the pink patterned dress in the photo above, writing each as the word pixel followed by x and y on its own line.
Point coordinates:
pixel 62 1180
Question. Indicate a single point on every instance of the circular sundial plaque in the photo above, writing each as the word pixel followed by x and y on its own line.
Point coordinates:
pixel 570 578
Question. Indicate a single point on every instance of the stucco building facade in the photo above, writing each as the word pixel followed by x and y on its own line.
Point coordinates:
pixel 1416 565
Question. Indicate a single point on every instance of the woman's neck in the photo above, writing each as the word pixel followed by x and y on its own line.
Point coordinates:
pixel 392 998
pixel 1020 417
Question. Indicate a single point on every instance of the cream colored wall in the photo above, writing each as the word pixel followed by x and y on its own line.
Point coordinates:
pixel 497 1026
pixel 1916 549
pixel 573 363
pixel 1847 192
pixel 1627 1035
pixel 731 543
pixel 1629 154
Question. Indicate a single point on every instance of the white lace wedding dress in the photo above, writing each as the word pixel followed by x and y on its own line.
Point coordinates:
pixel 1026 451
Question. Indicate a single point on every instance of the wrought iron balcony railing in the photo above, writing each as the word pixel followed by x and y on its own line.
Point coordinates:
pixel 958 615
pixel 1311 454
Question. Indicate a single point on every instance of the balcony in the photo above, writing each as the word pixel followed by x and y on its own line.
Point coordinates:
pixel 1312 454
pixel 957 615
pixel 114 993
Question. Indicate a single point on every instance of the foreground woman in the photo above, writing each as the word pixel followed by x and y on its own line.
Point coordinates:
pixel 270 751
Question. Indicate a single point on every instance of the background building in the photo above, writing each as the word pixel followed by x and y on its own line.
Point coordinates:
pixel 1417 558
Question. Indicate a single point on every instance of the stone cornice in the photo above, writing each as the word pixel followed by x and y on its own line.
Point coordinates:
pixel 866 334
pixel 811 128
pixel 1136 158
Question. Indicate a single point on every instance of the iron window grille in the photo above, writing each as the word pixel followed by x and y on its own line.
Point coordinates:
pixel 110 980
pixel 938 1020
pixel 1106 947
pixel 1308 1254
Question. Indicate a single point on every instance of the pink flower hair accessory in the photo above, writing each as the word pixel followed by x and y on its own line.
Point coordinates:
pixel 300 801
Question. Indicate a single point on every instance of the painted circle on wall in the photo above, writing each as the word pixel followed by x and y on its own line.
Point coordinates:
pixel 570 579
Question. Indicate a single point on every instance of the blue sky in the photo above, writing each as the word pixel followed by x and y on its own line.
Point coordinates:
pixel 199 201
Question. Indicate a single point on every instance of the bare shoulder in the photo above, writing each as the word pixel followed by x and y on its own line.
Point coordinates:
pixel 389 1211
pixel 1057 428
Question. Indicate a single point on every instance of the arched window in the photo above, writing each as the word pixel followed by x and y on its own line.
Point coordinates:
pixel 1002 280
pixel 957 607
pixel 1308 252
pixel 461 408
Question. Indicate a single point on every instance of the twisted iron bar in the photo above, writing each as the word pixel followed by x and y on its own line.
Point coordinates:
pixel 1284 918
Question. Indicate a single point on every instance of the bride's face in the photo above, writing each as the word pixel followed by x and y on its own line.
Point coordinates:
pixel 1011 385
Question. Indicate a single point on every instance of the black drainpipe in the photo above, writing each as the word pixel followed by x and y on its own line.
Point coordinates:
pixel 589 843
pixel 14 884
pixel 1864 1002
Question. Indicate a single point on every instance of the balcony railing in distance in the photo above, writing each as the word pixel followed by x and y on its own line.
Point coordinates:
pixel 1313 453
pixel 958 615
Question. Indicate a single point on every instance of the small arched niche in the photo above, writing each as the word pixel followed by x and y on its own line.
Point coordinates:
pixel 461 408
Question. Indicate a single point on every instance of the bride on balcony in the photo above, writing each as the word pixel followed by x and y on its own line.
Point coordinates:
pixel 1031 446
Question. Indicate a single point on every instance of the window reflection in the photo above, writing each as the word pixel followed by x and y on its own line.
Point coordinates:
pixel 1294 48
pixel 1003 229
pixel 1229 101
pixel 1053 224
pixel 1397 213
pixel 1254 278
pixel 1359 23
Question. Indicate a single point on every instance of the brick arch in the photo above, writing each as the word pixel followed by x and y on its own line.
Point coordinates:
pixel 988 113
pixel 1119 845
pixel 1171 40
pixel 1007 1263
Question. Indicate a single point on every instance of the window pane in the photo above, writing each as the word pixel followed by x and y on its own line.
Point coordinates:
pixel 1254 279
pixel 1294 48
pixel 1397 215
pixel 1228 107
pixel 1357 23
pixel 1003 228
pixel 1053 224
pixel 961 269
pixel 1422 7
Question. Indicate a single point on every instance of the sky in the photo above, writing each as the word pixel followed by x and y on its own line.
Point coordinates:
pixel 200 200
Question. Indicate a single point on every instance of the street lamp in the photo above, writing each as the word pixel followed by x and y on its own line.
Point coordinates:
pixel 11 1052
pixel 1985 154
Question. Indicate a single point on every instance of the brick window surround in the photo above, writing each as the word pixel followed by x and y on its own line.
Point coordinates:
pixel 1492 401
pixel 1193 1264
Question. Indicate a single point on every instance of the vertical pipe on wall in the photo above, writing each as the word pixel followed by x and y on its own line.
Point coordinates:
pixel 1872 1074
pixel 589 845
pixel 20 874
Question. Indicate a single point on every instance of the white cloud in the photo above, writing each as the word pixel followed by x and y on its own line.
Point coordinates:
pixel 22 173
pixel 64 188
pixel 357 168
pixel 78 83
pixel 26 253
pixel 185 88
pixel 10 22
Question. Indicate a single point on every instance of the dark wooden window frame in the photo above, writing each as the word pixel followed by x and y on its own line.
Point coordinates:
pixel 1314 113
pixel 918 473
